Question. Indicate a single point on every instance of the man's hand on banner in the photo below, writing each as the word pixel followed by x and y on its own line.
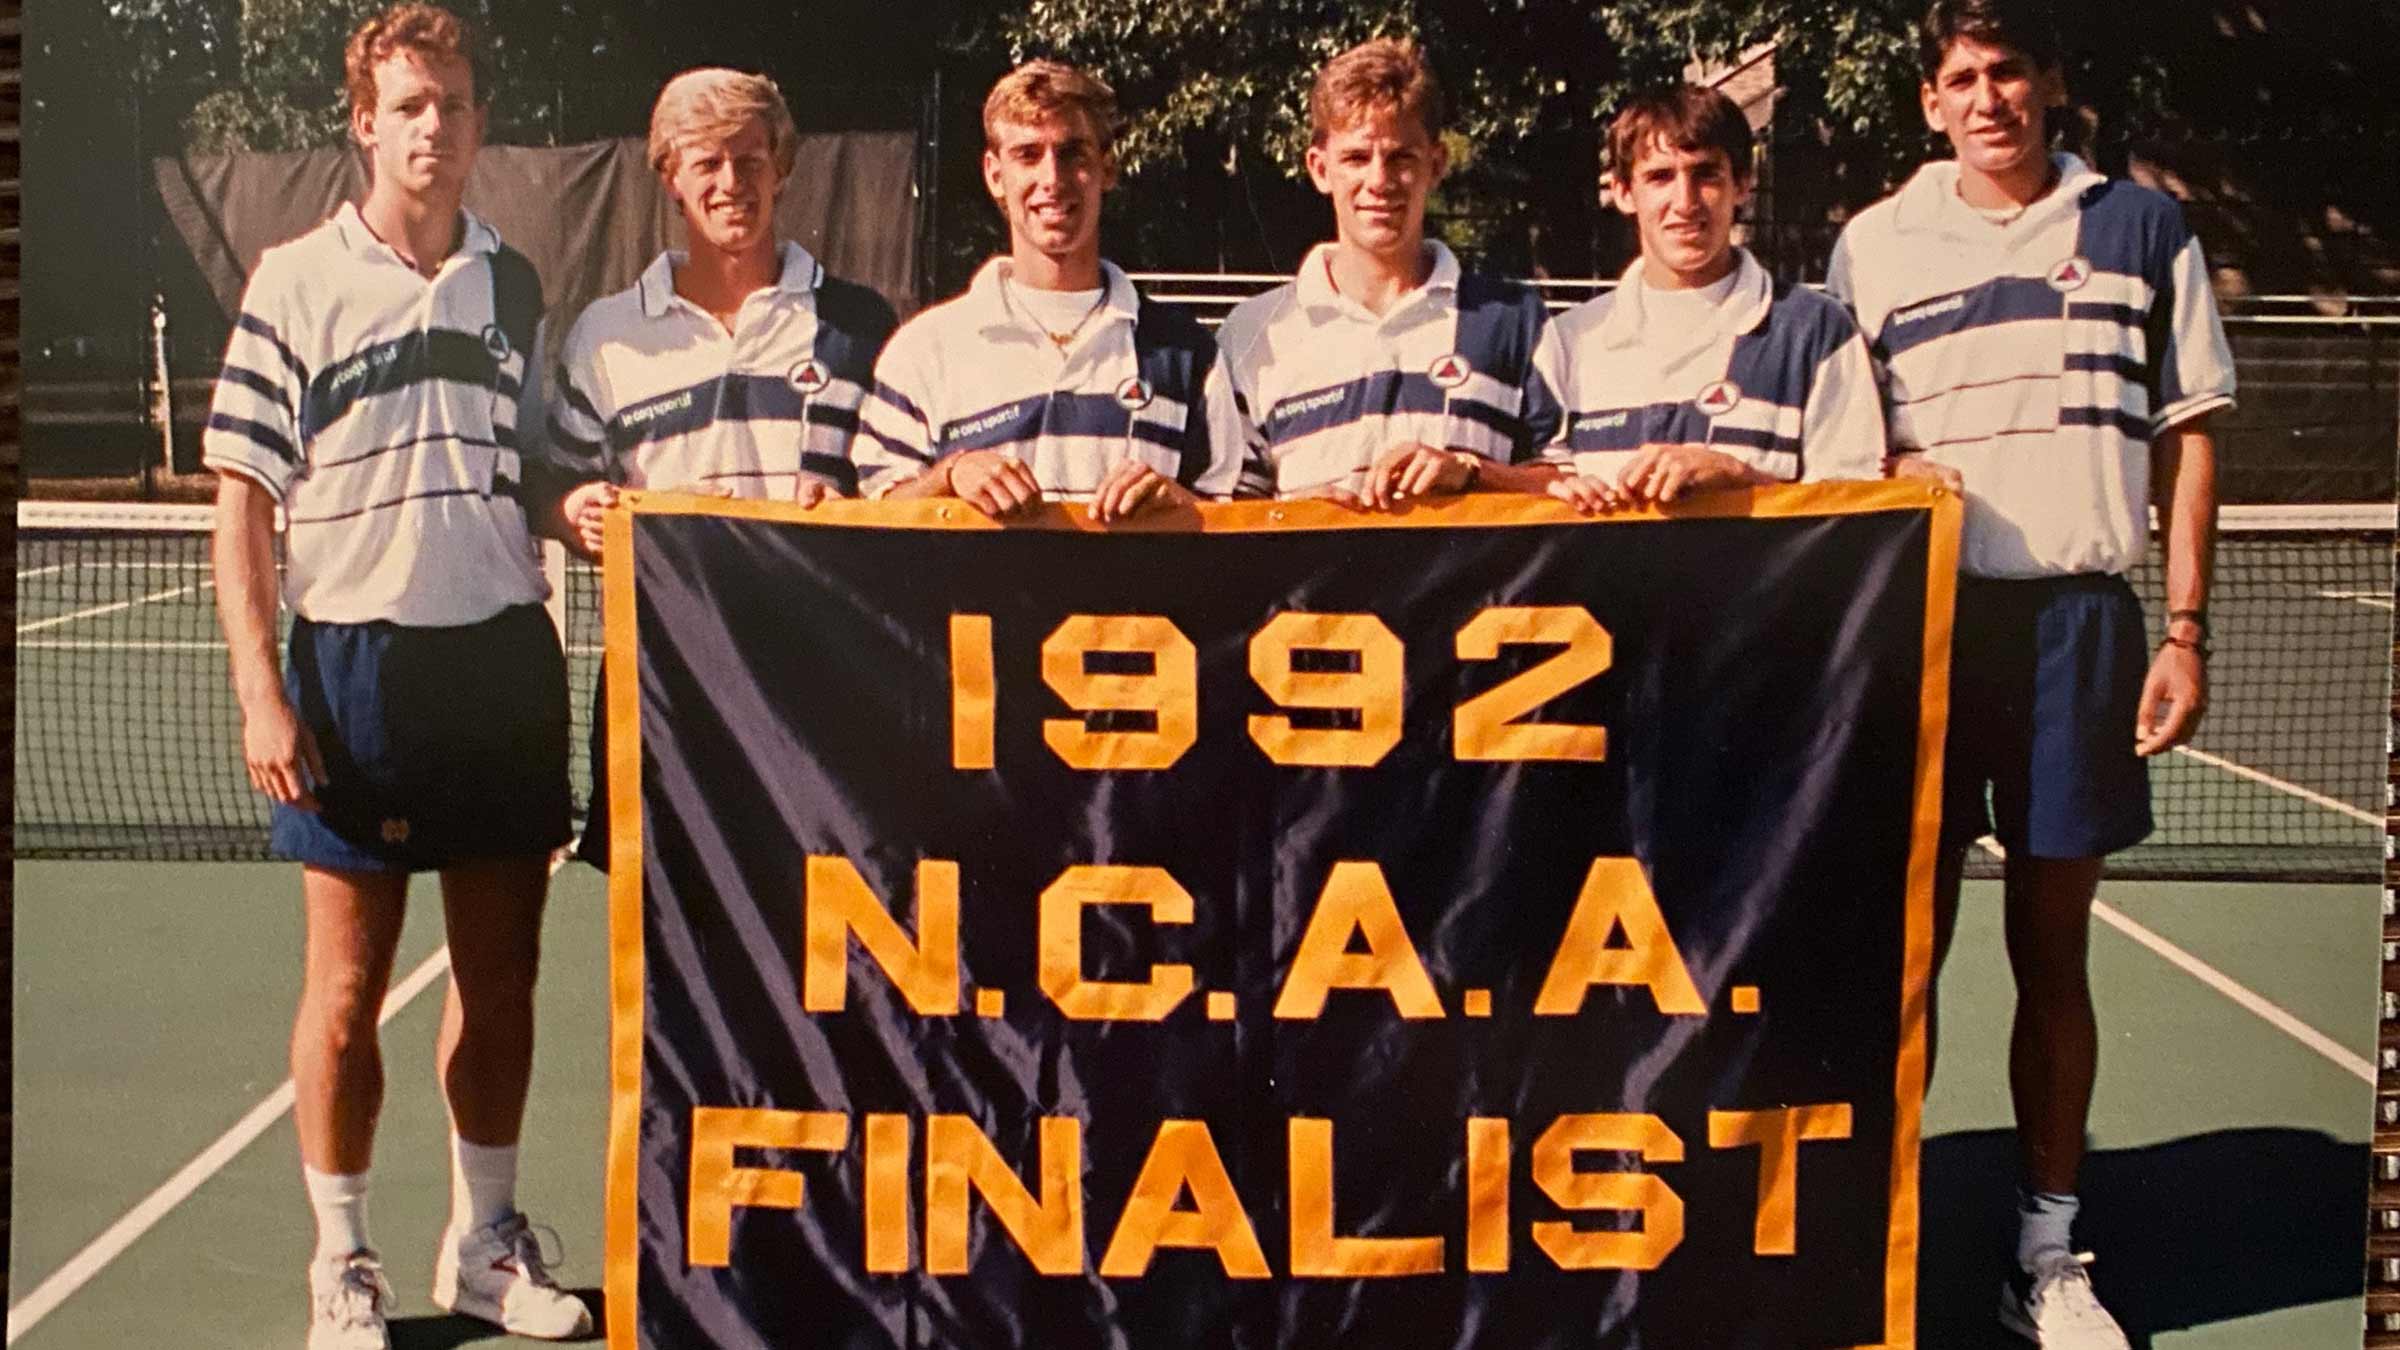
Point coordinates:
pixel 1913 464
pixel 1417 471
pixel 808 490
pixel 1586 494
pixel 1662 473
pixel 2174 698
pixel 992 481
pixel 1131 488
pixel 582 510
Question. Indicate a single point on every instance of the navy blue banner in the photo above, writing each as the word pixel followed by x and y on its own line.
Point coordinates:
pixel 1281 927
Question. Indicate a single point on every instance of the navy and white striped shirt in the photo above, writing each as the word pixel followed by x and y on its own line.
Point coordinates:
pixel 652 392
pixel 381 410
pixel 1771 374
pixel 976 373
pixel 2038 358
pixel 1314 389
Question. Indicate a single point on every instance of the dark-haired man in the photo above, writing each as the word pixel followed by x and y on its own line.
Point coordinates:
pixel 372 389
pixel 2048 339
pixel 1051 378
pixel 1699 370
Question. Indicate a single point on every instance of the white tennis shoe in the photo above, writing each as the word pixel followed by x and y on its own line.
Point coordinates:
pixel 2055 1308
pixel 347 1302
pixel 498 1273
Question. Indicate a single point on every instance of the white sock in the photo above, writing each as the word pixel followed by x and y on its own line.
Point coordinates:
pixel 483 1183
pixel 340 1202
pixel 2043 1221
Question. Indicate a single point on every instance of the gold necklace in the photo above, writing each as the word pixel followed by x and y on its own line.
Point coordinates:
pixel 1058 340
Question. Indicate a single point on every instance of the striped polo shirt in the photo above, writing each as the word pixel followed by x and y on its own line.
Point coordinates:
pixel 381 410
pixel 977 373
pixel 1772 374
pixel 1313 388
pixel 2040 357
pixel 653 392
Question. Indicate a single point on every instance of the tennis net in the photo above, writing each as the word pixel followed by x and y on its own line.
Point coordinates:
pixel 129 743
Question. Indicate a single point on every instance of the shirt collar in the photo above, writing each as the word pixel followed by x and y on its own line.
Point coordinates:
pixel 1314 281
pixel 1930 200
pixel 476 236
pixel 987 298
pixel 800 274
pixel 1743 309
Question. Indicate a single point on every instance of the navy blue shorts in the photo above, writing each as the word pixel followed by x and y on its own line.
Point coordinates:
pixel 2045 678
pixel 593 847
pixel 441 745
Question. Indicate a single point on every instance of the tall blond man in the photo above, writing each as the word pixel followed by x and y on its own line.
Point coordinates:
pixel 372 390
pixel 734 365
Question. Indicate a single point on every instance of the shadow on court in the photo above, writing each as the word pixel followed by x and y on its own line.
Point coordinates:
pixel 2197 1230
pixel 434 1331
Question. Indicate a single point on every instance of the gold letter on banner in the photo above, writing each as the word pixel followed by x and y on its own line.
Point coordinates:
pixel 1661 1209
pixel 1778 1134
pixel 838 904
pixel 718 1185
pixel 886 1201
pixel 1374 689
pixel 1061 942
pixel 1616 894
pixel 1356 901
pixel 1487 1195
pixel 959 1158
pixel 1184 1157
pixel 1315 1249
pixel 1170 692
pixel 1485 726
pixel 974 693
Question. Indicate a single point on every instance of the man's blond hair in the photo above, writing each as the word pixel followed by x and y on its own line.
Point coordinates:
pixel 1378 75
pixel 711 104
pixel 1042 89
pixel 433 33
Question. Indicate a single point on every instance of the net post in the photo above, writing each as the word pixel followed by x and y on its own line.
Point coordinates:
pixel 162 399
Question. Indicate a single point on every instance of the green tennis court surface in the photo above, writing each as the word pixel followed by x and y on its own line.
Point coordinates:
pixel 2225 1194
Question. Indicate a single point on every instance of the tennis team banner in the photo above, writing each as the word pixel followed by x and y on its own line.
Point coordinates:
pixel 1274 926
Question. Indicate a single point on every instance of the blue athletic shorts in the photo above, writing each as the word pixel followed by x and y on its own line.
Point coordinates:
pixel 2045 678
pixel 593 846
pixel 441 745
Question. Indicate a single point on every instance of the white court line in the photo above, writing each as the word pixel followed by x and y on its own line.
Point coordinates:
pixel 107 1247
pixel 2221 982
pixel 2240 770
pixel 97 610
pixel 2225 984
pixel 2376 599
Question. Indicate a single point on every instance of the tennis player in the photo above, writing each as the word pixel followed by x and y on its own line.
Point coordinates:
pixel 1700 371
pixel 1381 372
pixel 2048 338
pixel 371 391
pixel 736 366
pixel 1050 377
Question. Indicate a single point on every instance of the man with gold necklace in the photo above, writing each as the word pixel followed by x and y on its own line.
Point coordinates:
pixel 1049 378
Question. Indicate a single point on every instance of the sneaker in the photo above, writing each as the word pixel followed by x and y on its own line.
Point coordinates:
pixel 347 1301
pixel 2054 1307
pixel 498 1273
